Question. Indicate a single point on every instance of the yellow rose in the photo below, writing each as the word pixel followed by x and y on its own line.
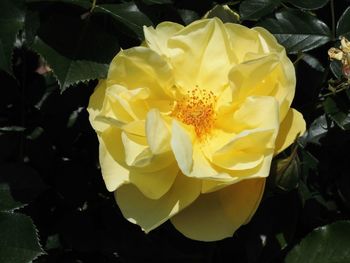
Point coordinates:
pixel 188 124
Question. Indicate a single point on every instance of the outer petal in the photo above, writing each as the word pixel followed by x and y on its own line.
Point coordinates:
pixel 268 43
pixel 242 40
pixel 201 56
pixel 114 174
pixel 95 106
pixel 157 38
pixel 218 215
pixel 285 94
pixel 141 67
pixel 260 171
pixel 150 213
pixel 154 185
pixel 292 126
pixel 270 74
pixel 152 179
pixel 122 106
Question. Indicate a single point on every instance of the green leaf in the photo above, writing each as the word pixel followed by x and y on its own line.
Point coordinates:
pixel 343 25
pixel 313 62
pixel 127 14
pixel 76 49
pixel 19 242
pixel 326 244
pixel 308 4
pixel 286 171
pixel 12 13
pixel 188 16
pixel 7 203
pixel 298 31
pixel 338 111
pixel 255 9
pixel 69 70
pixel 318 129
pixel 157 2
pixel 224 12
pixel 336 68
pixel 24 181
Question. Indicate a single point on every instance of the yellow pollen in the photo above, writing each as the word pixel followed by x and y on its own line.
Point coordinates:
pixel 196 108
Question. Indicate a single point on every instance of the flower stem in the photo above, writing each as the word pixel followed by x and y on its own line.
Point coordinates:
pixel 93 5
pixel 337 89
pixel 299 57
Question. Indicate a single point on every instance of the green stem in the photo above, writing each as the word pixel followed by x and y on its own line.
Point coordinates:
pixel 93 5
pixel 338 89
pixel 285 6
pixel 300 56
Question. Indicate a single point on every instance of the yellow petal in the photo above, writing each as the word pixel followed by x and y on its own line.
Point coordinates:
pixel 141 67
pixel 345 45
pixel 150 213
pixel 181 144
pixel 203 169
pixel 126 105
pixel 136 154
pixel 157 38
pixel 152 179
pixel 253 78
pixel 245 151
pixel 285 91
pixel 264 76
pixel 262 170
pixel 218 215
pixel 242 40
pixel 291 126
pixel 255 112
pixel 335 53
pixel 268 43
pixel 95 106
pixel 134 128
pixel 114 174
pixel 154 185
pixel 200 55
pixel 158 133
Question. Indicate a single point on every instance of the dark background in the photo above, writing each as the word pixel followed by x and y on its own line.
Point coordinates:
pixel 49 152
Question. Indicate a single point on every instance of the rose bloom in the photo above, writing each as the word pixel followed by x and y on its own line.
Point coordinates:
pixel 189 122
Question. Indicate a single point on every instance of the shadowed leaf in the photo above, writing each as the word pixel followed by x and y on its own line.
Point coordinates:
pixel 298 31
pixel 327 244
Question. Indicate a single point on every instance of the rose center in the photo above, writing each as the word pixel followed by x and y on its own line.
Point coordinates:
pixel 196 108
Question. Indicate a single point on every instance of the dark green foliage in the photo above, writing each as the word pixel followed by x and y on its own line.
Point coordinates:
pixel 326 244
pixel 255 9
pixel 11 20
pixel 298 31
pixel 343 25
pixel 50 182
